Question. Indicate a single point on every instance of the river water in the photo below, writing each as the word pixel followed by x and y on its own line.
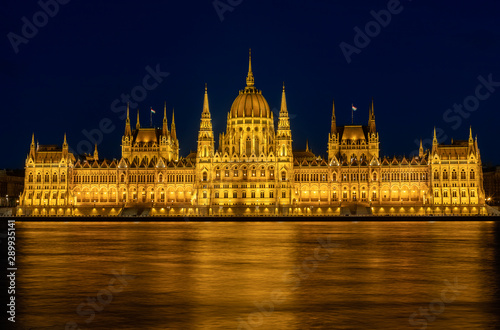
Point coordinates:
pixel 254 275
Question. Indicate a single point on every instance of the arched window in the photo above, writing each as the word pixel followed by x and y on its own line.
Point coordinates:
pixel 30 177
pixel 463 176
pixel 445 175
pixel 204 176
pixel 374 176
pixel 436 175
pixel 454 175
pixel 249 147
pixel 122 178
pixel 334 176
pixel 283 176
pixel 160 177
pixel 257 146
pixel 472 175
pixel 47 177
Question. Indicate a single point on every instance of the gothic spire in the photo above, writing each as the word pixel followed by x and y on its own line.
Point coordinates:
pixel 371 119
pixel 283 101
pixel 128 131
pixel 206 109
pixel 333 129
pixel 138 125
pixel 172 127
pixel 165 122
pixel 283 120
pixel 250 78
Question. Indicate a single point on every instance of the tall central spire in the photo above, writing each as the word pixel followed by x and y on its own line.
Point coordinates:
pixel 250 79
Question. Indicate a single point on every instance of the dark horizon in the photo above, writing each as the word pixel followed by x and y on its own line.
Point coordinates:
pixel 427 58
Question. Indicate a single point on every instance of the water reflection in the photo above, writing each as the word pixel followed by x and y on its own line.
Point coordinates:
pixel 229 275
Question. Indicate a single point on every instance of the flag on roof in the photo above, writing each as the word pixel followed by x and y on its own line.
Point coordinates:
pixel 353 107
pixel 153 110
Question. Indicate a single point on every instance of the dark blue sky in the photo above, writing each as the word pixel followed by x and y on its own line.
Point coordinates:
pixel 66 77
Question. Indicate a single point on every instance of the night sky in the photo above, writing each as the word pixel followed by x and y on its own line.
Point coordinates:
pixel 66 76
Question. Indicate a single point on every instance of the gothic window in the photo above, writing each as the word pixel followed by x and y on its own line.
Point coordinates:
pixel 445 175
pixel 463 175
pixel 271 173
pixel 47 177
pixel 54 177
pixel 257 145
pixel 283 176
pixel 334 176
pixel 436 175
pixel 160 178
pixel 235 194
pixel 226 173
pixel 445 193
pixel 472 193
pixel 204 176
pixel 454 193
pixel 249 147
pixel 374 176
pixel 454 175
pixel 252 194
pixel 226 194
pixel 464 194
pixel 472 175
pixel 235 173
pixel 436 193
pixel 283 194
pixel 216 194
pixel 30 177
pixel 204 194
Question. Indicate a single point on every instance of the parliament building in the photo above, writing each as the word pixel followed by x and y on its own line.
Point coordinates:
pixel 253 171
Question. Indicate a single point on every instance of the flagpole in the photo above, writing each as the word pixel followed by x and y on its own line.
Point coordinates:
pixel 352 114
pixel 151 117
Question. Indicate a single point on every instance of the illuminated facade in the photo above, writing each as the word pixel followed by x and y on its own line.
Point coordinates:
pixel 254 171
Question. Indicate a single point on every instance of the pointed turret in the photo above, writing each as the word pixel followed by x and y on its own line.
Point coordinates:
pixel 138 124
pixel 96 154
pixel 471 141
pixel 333 129
pixel 165 122
pixel 371 119
pixel 172 127
pixel 284 120
pixel 250 78
pixel 32 146
pixel 128 130
pixel 284 134
pixel 65 146
pixel 307 145
pixel 206 110
pixel 434 141
pixel 421 150
pixel 206 134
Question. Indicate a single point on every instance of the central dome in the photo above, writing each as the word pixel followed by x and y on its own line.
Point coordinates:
pixel 250 102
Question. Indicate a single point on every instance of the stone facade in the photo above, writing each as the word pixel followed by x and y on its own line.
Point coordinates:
pixel 253 171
